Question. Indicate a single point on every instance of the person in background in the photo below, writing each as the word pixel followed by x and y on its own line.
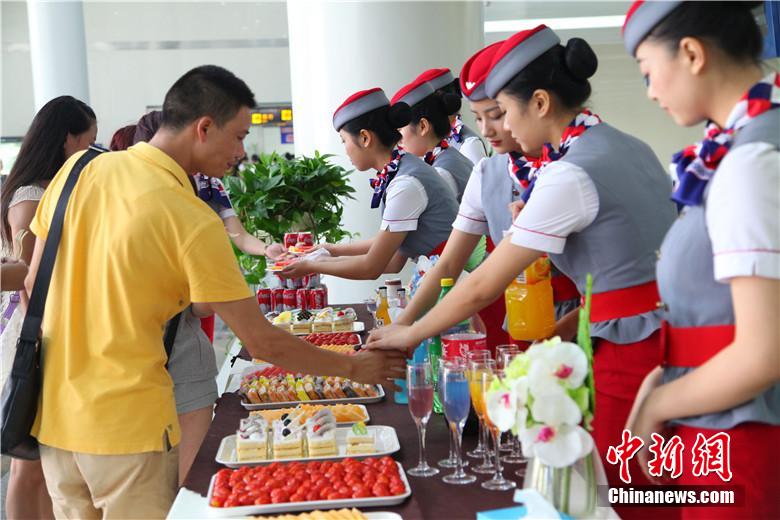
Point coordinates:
pixel 193 363
pixel 719 265
pixel 62 127
pixel 427 133
pixel 122 138
pixel 599 205
pixel 462 138
pixel 153 248
pixel 417 206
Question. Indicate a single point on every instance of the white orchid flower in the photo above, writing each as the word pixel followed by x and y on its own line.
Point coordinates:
pixel 557 366
pixel 501 407
pixel 556 410
pixel 557 447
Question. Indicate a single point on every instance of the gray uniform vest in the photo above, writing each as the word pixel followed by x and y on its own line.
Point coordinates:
pixel 619 247
pixel 498 191
pixel 435 223
pixel 693 297
pixel 459 167
pixel 467 132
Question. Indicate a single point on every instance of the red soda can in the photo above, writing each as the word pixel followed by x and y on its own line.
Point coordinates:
pixel 264 299
pixel 317 299
pixel 290 239
pixel 306 238
pixel 277 299
pixel 302 299
pixel 325 288
pixel 289 299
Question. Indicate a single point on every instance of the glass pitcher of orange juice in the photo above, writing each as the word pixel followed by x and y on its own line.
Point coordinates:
pixel 529 303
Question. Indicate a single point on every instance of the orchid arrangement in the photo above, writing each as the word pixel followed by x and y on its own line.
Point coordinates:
pixel 546 397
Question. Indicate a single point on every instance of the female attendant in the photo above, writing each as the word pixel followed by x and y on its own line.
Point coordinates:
pixel 417 206
pixel 426 134
pixel 719 267
pixel 599 205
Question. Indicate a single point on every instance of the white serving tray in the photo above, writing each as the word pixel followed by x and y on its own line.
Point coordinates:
pixel 346 400
pixel 289 507
pixel 386 443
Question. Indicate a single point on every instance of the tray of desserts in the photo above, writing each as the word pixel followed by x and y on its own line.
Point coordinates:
pixel 304 322
pixel 261 389
pixel 338 514
pixel 345 414
pixel 347 343
pixel 306 486
pixel 296 438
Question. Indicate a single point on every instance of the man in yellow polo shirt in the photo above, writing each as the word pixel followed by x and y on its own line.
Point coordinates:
pixel 137 247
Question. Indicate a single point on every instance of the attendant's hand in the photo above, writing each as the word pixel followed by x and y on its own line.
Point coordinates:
pixel 274 251
pixel 297 269
pixel 645 419
pixel 378 367
pixel 515 208
pixel 393 337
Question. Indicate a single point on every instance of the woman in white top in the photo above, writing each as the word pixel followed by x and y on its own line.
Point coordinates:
pixel 719 265
pixel 62 127
pixel 417 206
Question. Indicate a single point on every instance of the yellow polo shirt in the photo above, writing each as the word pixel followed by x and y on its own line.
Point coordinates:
pixel 137 247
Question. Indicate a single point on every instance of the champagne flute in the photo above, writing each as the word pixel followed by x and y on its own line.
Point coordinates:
pixel 419 379
pixel 456 408
pixel 476 369
pixel 505 354
pixel 498 482
pixel 481 449
pixel 451 461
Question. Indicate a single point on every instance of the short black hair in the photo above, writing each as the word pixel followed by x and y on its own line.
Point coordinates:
pixel 562 71
pixel 207 90
pixel 730 26
pixel 452 87
pixel 383 121
pixel 436 109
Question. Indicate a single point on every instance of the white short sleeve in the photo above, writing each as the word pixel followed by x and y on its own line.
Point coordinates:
pixel 743 213
pixel 471 216
pixel 449 180
pixel 406 200
pixel 474 149
pixel 564 201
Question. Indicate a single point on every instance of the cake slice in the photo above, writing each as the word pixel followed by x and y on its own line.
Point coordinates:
pixel 252 439
pixel 323 321
pixel 301 322
pixel 287 440
pixel 360 441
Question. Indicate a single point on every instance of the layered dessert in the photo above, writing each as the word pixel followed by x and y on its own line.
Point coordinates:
pixel 360 441
pixel 252 439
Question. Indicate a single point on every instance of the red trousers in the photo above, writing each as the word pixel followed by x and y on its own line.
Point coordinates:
pixel 207 324
pixel 618 370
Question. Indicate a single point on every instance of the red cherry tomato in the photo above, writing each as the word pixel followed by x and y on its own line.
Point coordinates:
pixel 380 490
pixel 279 496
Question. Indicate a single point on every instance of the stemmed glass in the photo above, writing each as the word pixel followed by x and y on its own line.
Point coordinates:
pixel 476 369
pixel 516 455
pixel 419 379
pixel 505 354
pixel 456 409
pixel 498 482
pixel 451 461
pixel 479 451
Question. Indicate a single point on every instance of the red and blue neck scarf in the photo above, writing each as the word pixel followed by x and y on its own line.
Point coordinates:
pixel 431 155
pixel 456 130
pixel 695 165
pixel 384 178
pixel 527 169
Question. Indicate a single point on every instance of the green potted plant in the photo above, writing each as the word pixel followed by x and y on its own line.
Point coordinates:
pixel 276 195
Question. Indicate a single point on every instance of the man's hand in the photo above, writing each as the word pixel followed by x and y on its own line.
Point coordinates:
pixel 274 251
pixel 297 269
pixel 379 367
pixel 393 337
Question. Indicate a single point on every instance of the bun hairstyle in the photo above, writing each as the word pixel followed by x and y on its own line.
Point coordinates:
pixel 452 88
pixel 730 26
pixel 437 108
pixel 383 121
pixel 562 71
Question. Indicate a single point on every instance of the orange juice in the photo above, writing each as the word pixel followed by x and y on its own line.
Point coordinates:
pixel 529 303
pixel 477 396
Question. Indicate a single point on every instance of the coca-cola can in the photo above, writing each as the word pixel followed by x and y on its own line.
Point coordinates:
pixel 302 299
pixel 289 299
pixel 290 239
pixel 317 299
pixel 294 283
pixel 306 238
pixel 277 299
pixel 310 281
pixel 264 299
pixel 325 288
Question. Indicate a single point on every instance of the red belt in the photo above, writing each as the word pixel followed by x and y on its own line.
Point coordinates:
pixel 693 346
pixel 438 249
pixel 563 289
pixel 622 303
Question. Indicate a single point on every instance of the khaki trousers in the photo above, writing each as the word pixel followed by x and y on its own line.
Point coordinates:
pixel 86 486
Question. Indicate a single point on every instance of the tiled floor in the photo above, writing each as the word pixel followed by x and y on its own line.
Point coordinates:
pixel 222 337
